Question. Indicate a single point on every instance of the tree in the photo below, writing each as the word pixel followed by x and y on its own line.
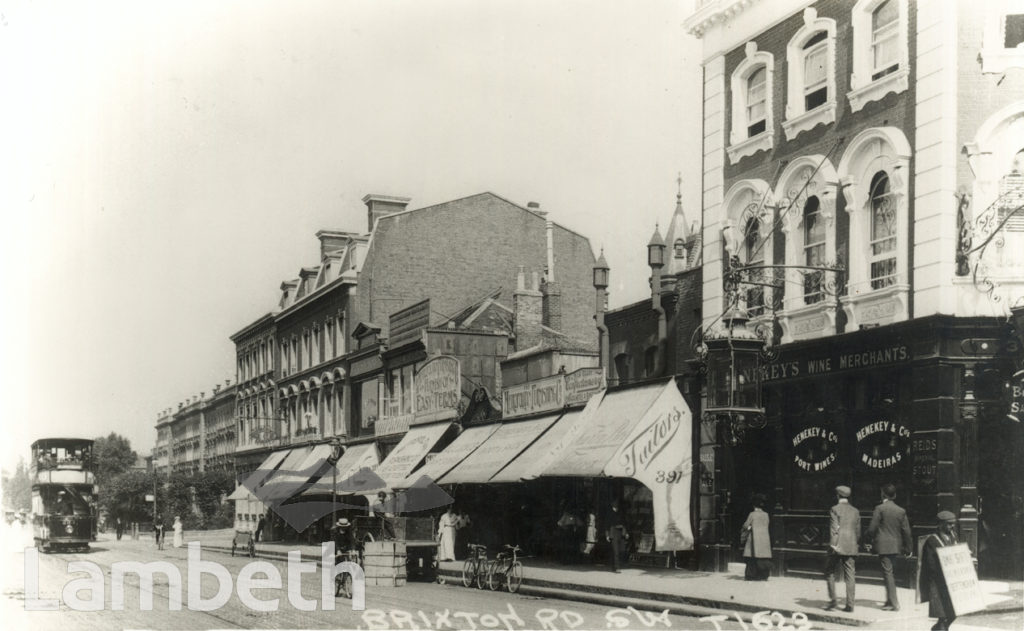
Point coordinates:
pixel 112 456
pixel 18 488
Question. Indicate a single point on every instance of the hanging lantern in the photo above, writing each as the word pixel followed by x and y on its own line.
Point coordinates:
pixel 734 376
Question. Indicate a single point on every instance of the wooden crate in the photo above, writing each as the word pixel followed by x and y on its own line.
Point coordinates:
pixel 383 561
pixel 384 572
pixel 382 548
pixel 396 581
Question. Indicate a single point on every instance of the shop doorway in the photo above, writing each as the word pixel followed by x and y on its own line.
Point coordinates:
pixel 754 462
pixel 1000 498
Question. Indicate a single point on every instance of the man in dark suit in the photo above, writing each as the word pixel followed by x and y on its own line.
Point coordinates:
pixel 844 530
pixel 617 535
pixel 889 535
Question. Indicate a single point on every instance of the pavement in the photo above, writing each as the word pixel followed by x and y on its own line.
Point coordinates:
pixel 684 592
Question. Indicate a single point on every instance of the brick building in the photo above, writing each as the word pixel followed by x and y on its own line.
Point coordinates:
pixel 883 142
pixel 350 332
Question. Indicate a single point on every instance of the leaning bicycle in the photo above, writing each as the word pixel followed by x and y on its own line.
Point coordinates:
pixel 474 570
pixel 506 568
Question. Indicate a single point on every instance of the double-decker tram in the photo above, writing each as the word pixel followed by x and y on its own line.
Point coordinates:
pixel 63 494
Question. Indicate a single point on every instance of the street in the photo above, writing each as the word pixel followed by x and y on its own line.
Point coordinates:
pixel 414 606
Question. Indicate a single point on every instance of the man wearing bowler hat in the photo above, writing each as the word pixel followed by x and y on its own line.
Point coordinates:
pixel 844 530
pixel 933 582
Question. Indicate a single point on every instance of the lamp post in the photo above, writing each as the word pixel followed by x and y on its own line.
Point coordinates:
pixel 336 451
pixel 601 285
pixel 733 358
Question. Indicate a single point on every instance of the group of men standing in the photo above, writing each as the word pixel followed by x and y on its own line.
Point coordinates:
pixel 888 536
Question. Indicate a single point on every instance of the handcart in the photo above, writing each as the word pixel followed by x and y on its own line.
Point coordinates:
pixel 244 542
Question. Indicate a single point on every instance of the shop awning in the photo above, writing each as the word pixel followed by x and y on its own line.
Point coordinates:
pixel 644 433
pixel 288 478
pixel 409 452
pixel 606 430
pixel 536 457
pixel 498 450
pixel 259 476
pixel 342 477
pixel 452 455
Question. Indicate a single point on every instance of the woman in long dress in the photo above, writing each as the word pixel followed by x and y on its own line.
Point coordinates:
pixel 757 543
pixel 178 536
pixel 446 536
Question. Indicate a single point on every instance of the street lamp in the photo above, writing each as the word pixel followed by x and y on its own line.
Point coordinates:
pixel 336 451
pixel 733 359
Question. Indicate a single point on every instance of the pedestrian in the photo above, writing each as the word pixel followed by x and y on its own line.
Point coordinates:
pixel 463 525
pixel 118 528
pixel 757 544
pixel 178 532
pixel 158 532
pixel 617 535
pixel 446 536
pixel 344 537
pixel 380 511
pixel 259 528
pixel 844 530
pixel 932 581
pixel 889 535
pixel 590 535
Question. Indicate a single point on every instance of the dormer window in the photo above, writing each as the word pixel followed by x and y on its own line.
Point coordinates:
pixel 815 74
pixel 679 249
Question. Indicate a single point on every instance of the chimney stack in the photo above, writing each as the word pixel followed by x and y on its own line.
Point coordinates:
pixel 378 206
pixel 527 311
pixel 552 307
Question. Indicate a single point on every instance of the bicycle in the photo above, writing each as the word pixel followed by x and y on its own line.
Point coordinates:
pixel 506 568
pixel 343 581
pixel 474 568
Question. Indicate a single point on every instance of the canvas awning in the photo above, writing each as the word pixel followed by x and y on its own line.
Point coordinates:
pixel 259 476
pixel 644 433
pixel 288 478
pixel 451 455
pixel 409 452
pixel 498 450
pixel 529 464
pixel 342 477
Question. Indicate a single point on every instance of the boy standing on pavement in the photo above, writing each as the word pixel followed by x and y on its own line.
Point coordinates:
pixel 844 528
pixel 889 534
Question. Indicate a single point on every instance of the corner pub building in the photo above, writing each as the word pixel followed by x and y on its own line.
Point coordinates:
pixel 868 158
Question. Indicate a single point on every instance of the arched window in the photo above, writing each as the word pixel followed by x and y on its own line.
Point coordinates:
pixel 679 249
pixel 815 71
pixel 814 249
pixel 753 254
pixel 883 232
pixel 650 361
pixel 757 99
pixel 885 55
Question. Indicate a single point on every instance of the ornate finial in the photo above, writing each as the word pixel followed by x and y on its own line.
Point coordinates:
pixel 679 187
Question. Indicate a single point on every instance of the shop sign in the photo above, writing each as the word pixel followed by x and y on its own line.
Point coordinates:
pixel 542 395
pixel 438 386
pixel 815 448
pixel 1016 389
pixel 926 460
pixel 836 362
pixel 392 425
pixel 582 384
pixel 882 444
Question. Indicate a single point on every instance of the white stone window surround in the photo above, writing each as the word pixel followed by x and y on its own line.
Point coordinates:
pixel 746 199
pixel 994 57
pixel 864 89
pixel 872 150
pixel 803 179
pixel 740 145
pixel 797 118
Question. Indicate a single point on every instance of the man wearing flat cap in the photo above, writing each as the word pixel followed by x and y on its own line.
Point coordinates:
pixel 933 581
pixel 844 530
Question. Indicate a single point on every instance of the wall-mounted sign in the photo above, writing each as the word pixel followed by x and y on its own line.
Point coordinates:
pixel 542 395
pixel 392 425
pixel 1016 390
pixel 438 386
pixel 882 444
pixel 582 384
pixel 824 364
pixel 815 448
pixel 926 461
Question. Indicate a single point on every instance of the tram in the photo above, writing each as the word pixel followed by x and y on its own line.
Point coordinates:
pixel 63 494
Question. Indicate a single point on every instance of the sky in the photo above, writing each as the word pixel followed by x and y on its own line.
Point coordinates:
pixel 168 164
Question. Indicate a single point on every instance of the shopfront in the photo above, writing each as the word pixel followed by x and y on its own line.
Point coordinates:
pixel 920 405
